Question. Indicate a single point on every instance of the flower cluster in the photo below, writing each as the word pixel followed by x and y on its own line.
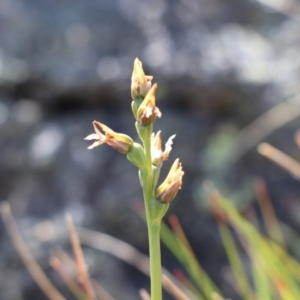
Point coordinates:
pixel 145 111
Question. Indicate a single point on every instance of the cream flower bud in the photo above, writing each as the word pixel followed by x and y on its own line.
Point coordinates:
pixel 159 156
pixel 119 141
pixel 147 111
pixel 140 83
pixel 167 191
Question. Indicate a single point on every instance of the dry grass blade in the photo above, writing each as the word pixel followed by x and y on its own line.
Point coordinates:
pixel 80 262
pixel 144 294
pixel 32 266
pixel 70 265
pixel 101 293
pixel 264 125
pixel 280 158
pixel 297 138
pixel 290 8
pixel 186 282
pixel 174 289
pixel 67 261
pixel 56 264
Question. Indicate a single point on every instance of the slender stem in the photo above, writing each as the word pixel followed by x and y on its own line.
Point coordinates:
pixel 149 188
pixel 153 229
pixel 155 260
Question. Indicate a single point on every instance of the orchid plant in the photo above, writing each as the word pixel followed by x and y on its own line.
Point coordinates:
pixel 148 157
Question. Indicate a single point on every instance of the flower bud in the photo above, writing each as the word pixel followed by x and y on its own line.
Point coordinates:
pixel 159 156
pixel 167 191
pixel 156 173
pixel 147 111
pixel 119 141
pixel 140 83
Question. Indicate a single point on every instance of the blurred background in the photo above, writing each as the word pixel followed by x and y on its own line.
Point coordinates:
pixel 219 66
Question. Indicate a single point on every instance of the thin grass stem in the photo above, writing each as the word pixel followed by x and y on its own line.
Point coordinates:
pixel 80 261
pixel 70 265
pixel 173 289
pixel 144 294
pixel 31 264
pixel 280 158
pixel 72 285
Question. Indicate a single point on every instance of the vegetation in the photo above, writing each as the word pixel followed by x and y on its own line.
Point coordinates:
pixel 265 271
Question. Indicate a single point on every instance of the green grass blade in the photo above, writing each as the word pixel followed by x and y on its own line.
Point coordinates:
pixel 276 269
pixel 261 281
pixel 235 262
pixel 170 240
pixel 181 249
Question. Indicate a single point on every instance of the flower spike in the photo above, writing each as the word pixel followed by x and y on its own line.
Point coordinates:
pixel 148 157
pixel 147 111
pixel 118 141
pixel 167 191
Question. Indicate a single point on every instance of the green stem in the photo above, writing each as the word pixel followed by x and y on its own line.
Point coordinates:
pixel 155 260
pixel 153 227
